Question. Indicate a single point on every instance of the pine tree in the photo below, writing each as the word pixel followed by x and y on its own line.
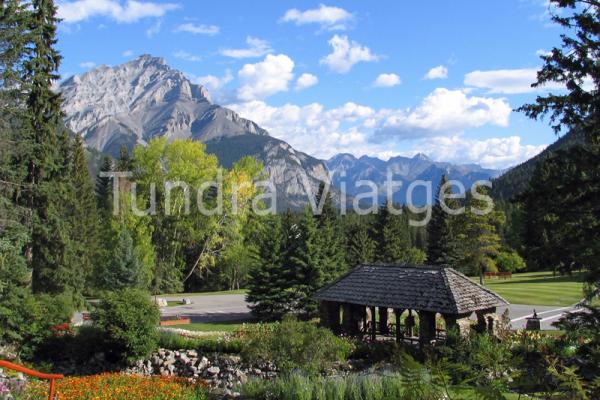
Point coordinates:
pixel 267 284
pixel 124 162
pixel 478 235
pixel 125 270
pixel 361 247
pixel 104 189
pixel 51 250
pixel 85 224
pixel 308 260
pixel 330 238
pixel 441 240
pixel 391 235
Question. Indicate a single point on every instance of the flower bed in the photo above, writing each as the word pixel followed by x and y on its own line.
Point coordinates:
pixel 118 387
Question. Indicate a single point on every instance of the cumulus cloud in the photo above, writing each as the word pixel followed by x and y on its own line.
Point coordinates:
pixel 256 48
pixel 329 18
pixel 209 30
pixel 213 82
pixel 507 81
pixel 265 78
pixel 305 81
pixel 130 11
pixel 498 153
pixel 387 80
pixel 443 111
pixel 345 53
pixel 356 128
pixel 87 64
pixel 184 55
pixel 439 72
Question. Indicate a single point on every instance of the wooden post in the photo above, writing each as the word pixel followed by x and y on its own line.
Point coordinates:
pixel 373 324
pixel 426 327
pixel 398 314
pixel 383 320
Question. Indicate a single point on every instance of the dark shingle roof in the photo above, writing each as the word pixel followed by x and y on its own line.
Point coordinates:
pixel 437 289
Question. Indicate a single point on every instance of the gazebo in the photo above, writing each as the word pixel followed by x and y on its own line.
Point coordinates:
pixel 349 305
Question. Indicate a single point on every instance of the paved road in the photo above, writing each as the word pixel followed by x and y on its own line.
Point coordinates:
pixel 232 307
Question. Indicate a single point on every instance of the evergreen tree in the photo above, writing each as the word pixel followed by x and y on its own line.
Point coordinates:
pixel 85 222
pixel 125 269
pixel 361 247
pixel 124 162
pixel 441 240
pixel 478 235
pixel 330 237
pixel 391 235
pixel 309 262
pixel 51 251
pixel 267 284
pixel 104 188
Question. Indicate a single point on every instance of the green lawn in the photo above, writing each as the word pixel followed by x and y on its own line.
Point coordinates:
pixel 182 295
pixel 539 288
pixel 228 326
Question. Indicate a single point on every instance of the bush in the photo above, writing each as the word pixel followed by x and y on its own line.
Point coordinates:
pixel 128 319
pixel 293 344
pixel 510 262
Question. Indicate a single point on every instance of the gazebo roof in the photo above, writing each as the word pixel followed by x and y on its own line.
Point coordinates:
pixel 423 288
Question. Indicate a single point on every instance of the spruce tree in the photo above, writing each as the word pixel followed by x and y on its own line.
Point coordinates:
pixel 361 247
pixel 391 235
pixel 85 224
pixel 441 241
pixel 125 268
pixel 51 251
pixel 267 285
pixel 330 237
pixel 104 189
pixel 309 263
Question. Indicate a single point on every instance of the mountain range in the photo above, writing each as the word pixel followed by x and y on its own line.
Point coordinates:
pixel 131 103
pixel 349 170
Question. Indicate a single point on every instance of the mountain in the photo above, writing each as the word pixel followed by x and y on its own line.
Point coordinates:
pixel 515 181
pixel 345 169
pixel 133 102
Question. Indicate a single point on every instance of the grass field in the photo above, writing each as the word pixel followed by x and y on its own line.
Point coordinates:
pixel 228 326
pixel 539 288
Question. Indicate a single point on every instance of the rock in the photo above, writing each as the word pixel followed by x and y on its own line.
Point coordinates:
pixel 203 364
pixel 192 353
pixel 186 302
pixel 161 302
pixel 213 371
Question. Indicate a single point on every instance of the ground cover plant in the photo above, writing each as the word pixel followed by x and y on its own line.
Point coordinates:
pixel 117 387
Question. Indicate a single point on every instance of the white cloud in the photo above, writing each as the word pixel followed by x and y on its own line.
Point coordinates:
pixel 507 81
pixel 87 64
pixel 387 80
pixel 130 11
pixel 213 82
pixel 443 111
pixel 434 127
pixel 256 48
pixel 305 81
pixel 184 55
pixel 329 18
pixel 439 72
pixel 496 153
pixel 209 30
pixel 542 52
pixel 265 78
pixel 154 29
pixel 345 54
pixel 127 53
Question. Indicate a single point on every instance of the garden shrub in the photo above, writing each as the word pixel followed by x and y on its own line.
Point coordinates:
pixel 128 319
pixel 293 344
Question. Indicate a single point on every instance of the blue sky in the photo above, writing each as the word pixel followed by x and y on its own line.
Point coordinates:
pixel 377 78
